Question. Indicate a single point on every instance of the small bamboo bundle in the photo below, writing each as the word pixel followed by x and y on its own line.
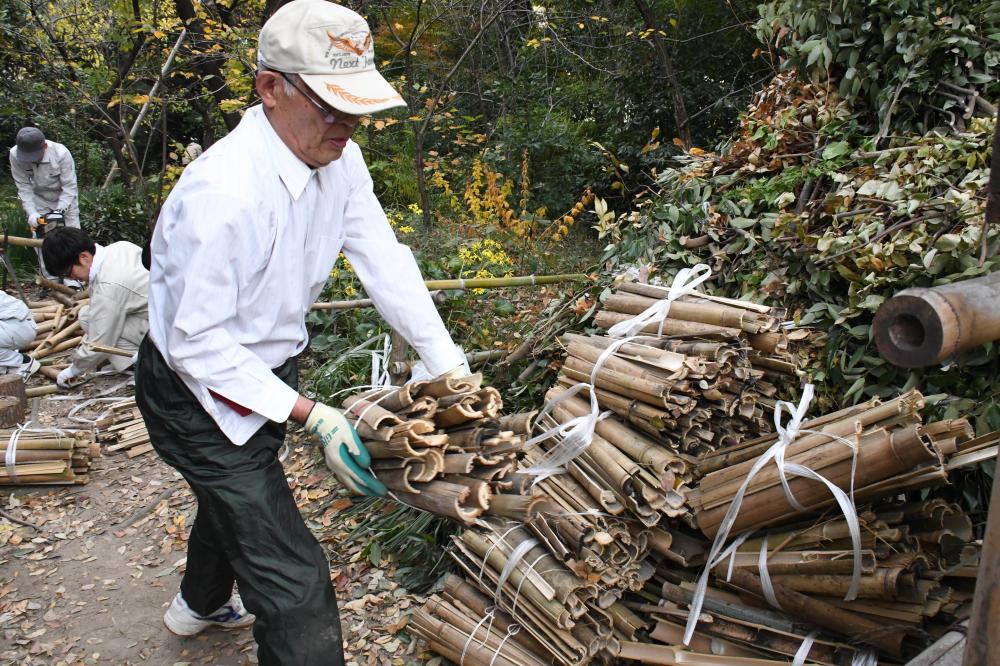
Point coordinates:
pixel 123 429
pixel 58 328
pixel 444 446
pixel 449 623
pixel 554 605
pixel 894 453
pixel 47 457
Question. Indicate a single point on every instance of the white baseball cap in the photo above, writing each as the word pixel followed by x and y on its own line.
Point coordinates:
pixel 331 49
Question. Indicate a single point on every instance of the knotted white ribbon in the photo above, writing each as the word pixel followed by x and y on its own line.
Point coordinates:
pixel 786 435
pixel 577 433
pixel 10 459
pixel 685 282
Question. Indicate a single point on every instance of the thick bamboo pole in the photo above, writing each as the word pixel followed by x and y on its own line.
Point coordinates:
pixel 984 624
pixel 923 326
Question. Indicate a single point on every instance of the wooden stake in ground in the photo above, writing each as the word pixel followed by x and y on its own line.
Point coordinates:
pixel 13 401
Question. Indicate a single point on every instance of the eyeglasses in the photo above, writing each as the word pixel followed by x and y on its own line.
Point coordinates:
pixel 330 116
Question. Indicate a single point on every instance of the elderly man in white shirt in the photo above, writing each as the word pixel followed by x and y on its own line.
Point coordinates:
pixel 117 315
pixel 242 248
pixel 45 177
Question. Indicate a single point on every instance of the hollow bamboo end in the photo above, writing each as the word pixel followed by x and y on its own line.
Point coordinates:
pixel 912 332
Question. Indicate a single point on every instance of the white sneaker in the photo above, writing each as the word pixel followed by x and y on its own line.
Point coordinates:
pixel 183 621
pixel 29 367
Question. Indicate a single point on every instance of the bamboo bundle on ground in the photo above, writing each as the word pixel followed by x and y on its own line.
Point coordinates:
pixel 894 453
pixel 123 429
pixel 57 325
pixel 444 446
pixel 46 456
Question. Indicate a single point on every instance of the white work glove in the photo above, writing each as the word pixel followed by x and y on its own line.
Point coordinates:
pixel 66 377
pixel 32 220
pixel 345 455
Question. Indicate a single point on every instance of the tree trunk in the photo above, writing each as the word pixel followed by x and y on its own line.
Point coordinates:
pixel 667 66
pixel 210 67
pixel 13 401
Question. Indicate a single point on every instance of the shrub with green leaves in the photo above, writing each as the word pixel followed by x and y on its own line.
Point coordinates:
pixel 912 64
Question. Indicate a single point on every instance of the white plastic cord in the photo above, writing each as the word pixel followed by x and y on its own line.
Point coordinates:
pixel 515 558
pixel 685 282
pixel 786 435
pixel 489 615
pixel 800 655
pixel 765 576
pixel 10 459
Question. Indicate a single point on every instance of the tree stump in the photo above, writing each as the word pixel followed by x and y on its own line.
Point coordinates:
pixel 13 401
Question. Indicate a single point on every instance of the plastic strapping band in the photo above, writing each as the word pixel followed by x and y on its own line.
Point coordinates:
pixel 865 657
pixel 10 459
pixel 765 576
pixel 515 557
pixel 800 655
pixel 786 435
pixel 517 592
pixel 489 550
pixel 684 283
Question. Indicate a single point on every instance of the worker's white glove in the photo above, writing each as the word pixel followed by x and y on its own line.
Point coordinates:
pixel 66 377
pixel 32 220
pixel 345 455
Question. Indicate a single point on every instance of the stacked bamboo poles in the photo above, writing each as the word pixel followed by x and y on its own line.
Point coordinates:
pixel 463 625
pixel 894 453
pixel 57 325
pixel 917 559
pixel 37 457
pixel 123 429
pixel 444 446
pixel 603 521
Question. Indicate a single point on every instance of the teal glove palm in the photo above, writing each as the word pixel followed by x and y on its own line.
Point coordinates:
pixel 345 455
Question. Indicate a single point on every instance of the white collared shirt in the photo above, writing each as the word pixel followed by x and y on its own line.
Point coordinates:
pixel 243 247
pixel 117 315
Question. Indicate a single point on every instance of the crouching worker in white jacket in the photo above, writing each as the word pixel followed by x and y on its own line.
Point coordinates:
pixel 17 328
pixel 117 314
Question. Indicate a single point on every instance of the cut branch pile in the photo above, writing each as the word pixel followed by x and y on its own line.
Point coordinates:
pixel 443 445
pixel 47 457
pixel 123 429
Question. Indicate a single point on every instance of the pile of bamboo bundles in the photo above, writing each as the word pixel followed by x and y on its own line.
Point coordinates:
pixel 58 325
pixel 123 429
pixel 709 380
pixel 46 457
pixel 918 568
pixel 443 445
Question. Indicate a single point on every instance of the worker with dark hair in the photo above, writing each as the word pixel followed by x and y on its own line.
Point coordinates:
pixel 117 315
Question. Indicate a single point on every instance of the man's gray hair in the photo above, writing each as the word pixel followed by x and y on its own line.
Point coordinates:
pixel 286 85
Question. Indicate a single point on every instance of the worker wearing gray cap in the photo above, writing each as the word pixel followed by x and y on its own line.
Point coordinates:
pixel 45 176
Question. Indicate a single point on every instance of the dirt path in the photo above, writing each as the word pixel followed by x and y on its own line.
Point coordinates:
pixel 91 585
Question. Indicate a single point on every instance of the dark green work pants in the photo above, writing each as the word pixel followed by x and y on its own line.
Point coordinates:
pixel 247 529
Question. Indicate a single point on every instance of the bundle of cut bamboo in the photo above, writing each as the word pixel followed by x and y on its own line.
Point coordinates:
pixel 58 326
pixel 605 564
pixel 443 446
pixel 894 453
pixel 123 429
pixel 47 456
